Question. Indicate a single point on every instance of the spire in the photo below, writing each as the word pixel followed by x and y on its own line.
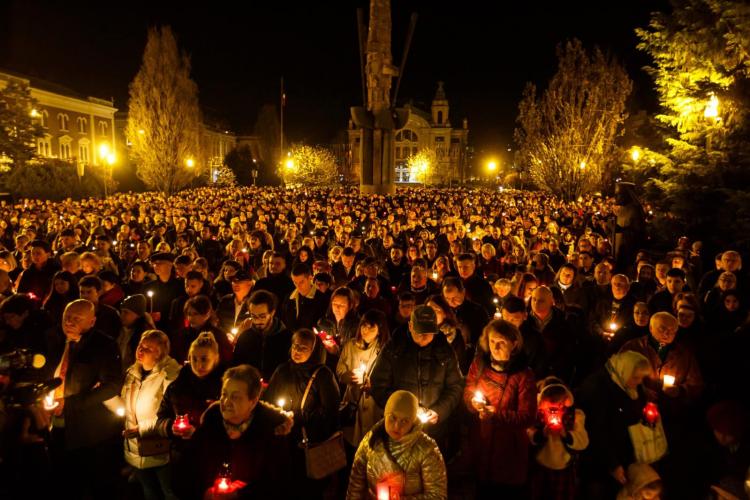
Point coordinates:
pixel 440 93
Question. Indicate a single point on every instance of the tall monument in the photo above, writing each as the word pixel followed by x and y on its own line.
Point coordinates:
pixel 378 119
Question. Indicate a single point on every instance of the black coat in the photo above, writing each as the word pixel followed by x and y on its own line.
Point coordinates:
pixel 475 317
pixel 280 285
pixel 479 291
pixel 431 373
pixel 257 457
pixel 310 311
pixel 319 416
pixel 264 351
pixel 108 320
pixel 553 350
pixel 38 281
pixel 225 312
pixel 609 412
pixel 93 377
pixel 189 395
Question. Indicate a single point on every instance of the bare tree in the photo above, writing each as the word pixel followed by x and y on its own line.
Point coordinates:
pixel 164 119
pixel 567 135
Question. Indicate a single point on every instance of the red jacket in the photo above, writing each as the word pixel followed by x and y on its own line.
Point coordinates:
pixel 500 444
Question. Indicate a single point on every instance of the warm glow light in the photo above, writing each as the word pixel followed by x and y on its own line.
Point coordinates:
pixel 34 113
pixel 281 403
pixel 289 164
pixel 111 159
pixel 49 401
pixel 712 108
pixel 635 153
pixel 141 131
pixel 613 326
pixel 668 380
pixel 120 411
pixel 582 165
pixel 422 415
pixel 103 150
pixel 189 163
pixel 492 166
pixel 150 293
pixel 479 397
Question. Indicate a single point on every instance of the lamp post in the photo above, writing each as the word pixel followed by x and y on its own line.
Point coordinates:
pixel 254 171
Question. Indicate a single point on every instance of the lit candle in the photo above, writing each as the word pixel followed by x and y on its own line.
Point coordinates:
pixel 495 301
pixel 360 372
pixel 49 401
pixel 233 333
pixel 422 415
pixel 182 422
pixel 281 403
pixel 150 294
pixel 479 398
pixel 224 479
pixel 650 413
pixel 498 314
pixel 434 275
pixel 613 326
pixel 554 421
pixel 384 491
pixel 668 381
pixel 120 411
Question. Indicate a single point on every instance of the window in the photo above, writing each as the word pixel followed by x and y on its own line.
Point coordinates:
pixel 44 146
pixel 65 151
pixel 62 121
pixel 406 135
pixel 440 117
pixel 83 152
pixel 82 124
pixel 45 118
pixel 103 127
pixel 439 138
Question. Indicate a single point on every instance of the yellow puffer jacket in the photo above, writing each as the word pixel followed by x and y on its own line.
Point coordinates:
pixel 415 463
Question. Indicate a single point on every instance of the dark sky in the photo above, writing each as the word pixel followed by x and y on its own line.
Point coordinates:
pixel 485 51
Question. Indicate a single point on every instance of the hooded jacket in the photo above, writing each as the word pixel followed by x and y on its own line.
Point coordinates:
pixel 142 399
pixel 553 451
pixel 416 460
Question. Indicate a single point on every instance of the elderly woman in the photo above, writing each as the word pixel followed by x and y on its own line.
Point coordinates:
pixel 500 394
pixel 613 399
pixel 396 459
pixel 145 381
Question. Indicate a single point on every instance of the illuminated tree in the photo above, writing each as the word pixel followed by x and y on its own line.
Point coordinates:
pixel 310 165
pixel 566 135
pixel 18 128
pixel 225 177
pixel 423 166
pixel 163 116
pixel 701 68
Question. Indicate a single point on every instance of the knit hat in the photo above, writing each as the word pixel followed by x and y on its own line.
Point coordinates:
pixel 640 476
pixel 135 303
pixel 404 403
pixel 424 320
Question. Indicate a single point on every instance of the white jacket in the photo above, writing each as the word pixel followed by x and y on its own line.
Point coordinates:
pixel 142 398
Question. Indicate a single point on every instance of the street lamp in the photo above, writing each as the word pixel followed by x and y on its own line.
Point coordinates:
pixel 103 151
pixel 110 160
pixel 189 163
pixel 635 154
pixel 254 171
pixel 423 166
pixel 712 107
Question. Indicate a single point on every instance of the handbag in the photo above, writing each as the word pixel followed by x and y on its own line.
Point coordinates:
pixel 649 442
pixel 151 446
pixel 348 410
pixel 324 458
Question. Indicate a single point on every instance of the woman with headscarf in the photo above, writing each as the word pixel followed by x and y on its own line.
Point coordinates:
pixel 613 399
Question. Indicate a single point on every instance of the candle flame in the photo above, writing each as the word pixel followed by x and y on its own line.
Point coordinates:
pixel 120 411
pixel 281 403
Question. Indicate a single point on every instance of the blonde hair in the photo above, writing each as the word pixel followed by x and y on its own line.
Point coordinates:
pixel 205 340
pixel 160 338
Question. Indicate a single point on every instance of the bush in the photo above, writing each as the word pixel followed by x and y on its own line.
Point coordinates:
pixel 52 180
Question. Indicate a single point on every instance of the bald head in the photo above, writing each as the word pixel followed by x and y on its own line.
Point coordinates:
pixel 620 286
pixel 663 327
pixel 542 301
pixel 79 317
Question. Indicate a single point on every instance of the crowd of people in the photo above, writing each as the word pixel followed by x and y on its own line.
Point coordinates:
pixel 316 343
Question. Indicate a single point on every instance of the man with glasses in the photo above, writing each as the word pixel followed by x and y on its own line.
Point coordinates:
pixel 265 345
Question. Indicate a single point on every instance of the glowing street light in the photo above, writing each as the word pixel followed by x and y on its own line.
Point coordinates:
pixel 289 164
pixel 712 108
pixel 34 113
pixel 104 150
pixel 635 153
pixel 582 166
pixel 491 166
pixel 189 163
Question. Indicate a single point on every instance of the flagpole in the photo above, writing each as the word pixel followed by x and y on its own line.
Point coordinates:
pixel 281 123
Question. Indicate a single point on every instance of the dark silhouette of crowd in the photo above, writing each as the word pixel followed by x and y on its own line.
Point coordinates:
pixel 316 343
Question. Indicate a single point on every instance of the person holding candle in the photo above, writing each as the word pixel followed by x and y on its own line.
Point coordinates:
pixel 396 459
pixel 145 383
pixel 636 328
pixel 232 310
pixel 239 451
pixel 423 363
pixel 197 385
pixel 558 436
pixel 165 288
pixel 358 356
pixel 501 395
pixel 613 399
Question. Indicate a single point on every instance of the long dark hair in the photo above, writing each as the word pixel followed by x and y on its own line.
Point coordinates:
pixel 377 318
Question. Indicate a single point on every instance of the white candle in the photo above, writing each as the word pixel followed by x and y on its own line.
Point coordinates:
pixel 422 415
pixel 281 403
pixel 498 315
pixel 49 401
pixel 613 326
pixel 668 381
pixel 120 411
pixel 233 333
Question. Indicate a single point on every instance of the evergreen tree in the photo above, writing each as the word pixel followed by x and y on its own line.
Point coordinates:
pixel 566 136
pixel 164 118
pixel 18 128
pixel 701 68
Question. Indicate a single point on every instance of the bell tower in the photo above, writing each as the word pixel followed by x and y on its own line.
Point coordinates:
pixel 440 108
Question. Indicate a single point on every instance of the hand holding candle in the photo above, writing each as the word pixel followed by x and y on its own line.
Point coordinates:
pixel 359 373
pixel 49 401
pixel 478 401
pixel 668 381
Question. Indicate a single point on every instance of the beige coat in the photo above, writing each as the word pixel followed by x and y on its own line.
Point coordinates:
pixel 352 357
pixel 142 399
pixel 414 462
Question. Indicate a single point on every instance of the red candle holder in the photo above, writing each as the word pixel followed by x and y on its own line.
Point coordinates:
pixel 651 413
pixel 554 421
pixel 182 422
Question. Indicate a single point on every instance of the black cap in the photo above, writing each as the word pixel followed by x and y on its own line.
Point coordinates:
pixel 241 275
pixel 162 256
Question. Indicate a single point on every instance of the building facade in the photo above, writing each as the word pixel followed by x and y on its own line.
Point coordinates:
pixel 429 133
pixel 77 128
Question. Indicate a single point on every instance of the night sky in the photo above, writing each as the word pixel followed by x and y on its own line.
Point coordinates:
pixel 485 51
